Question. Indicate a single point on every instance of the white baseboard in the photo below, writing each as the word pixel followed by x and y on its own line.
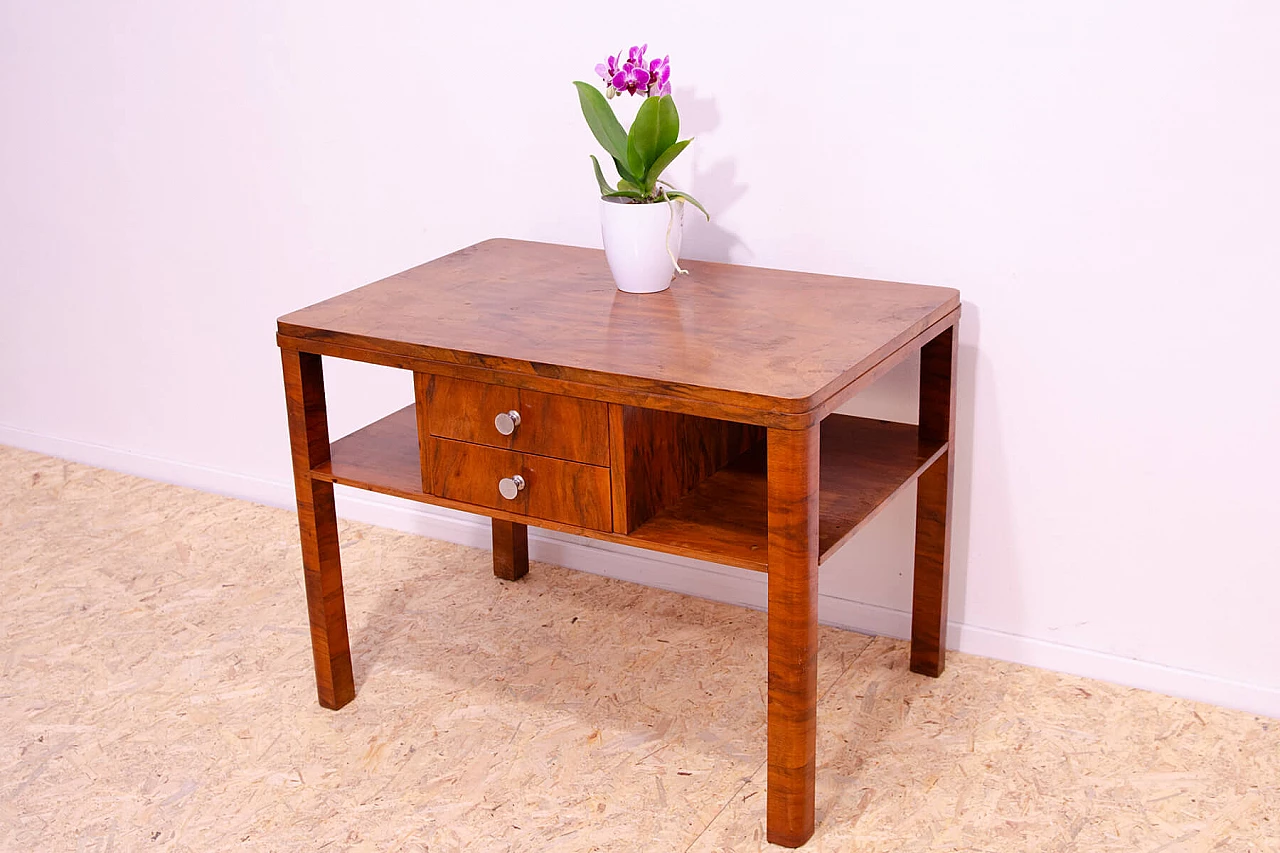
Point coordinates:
pixel 706 580
pixel 193 476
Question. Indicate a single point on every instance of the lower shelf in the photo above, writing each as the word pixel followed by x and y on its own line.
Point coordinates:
pixel 724 520
pixel 382 457
pixel 862 463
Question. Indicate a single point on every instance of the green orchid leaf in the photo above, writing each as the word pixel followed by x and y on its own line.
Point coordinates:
pixel 655 130
pixel 604 125
pixel 664 159
pixel 690 199
pixel 635 161
pixel 668 123
pixel 627 186
pixel 642 141
pixel 604 185
pixel 624 194
pixel 624 172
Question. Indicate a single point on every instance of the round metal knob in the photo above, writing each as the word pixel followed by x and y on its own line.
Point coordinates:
pixel 509 487
pixel 507 422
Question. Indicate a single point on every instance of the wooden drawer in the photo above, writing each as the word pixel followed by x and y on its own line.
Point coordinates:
pixel 554 490
pixel 550 425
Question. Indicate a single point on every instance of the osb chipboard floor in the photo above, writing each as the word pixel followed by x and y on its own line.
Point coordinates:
pixel 156 693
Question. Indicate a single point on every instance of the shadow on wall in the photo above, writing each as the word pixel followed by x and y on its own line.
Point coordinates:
pixel 994 514
pixel 714 184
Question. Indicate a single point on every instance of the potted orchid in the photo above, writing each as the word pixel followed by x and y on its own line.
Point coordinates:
pixel 642 216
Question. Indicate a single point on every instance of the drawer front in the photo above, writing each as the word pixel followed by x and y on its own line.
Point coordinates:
pixel 554 490
pixel 550 425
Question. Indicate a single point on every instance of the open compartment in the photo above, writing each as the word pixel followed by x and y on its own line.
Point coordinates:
pixel 725 517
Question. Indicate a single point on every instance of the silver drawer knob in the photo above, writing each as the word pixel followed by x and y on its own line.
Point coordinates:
pixel 507 422
pixel 509 487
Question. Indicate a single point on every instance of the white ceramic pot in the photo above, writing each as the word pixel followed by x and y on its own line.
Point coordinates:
pixel 637 238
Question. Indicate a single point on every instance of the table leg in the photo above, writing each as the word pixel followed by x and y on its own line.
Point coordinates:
pixel 933 507
pixel 318 526
pixel 793 632
pixel 510 550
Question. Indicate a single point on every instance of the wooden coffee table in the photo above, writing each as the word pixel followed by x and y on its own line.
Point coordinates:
pixel 698 421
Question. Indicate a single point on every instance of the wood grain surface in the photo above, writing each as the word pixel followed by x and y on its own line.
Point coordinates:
pixel 510 550
pixel 761 339
pixel 863 463
pixel 318 528
pixel 550 424
pixel 933 507
pixel 421 387
pixel 382 457
pixel 551 383
pixel 724 519
pixel 793 634
pixel 556 490
pixel 659 457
